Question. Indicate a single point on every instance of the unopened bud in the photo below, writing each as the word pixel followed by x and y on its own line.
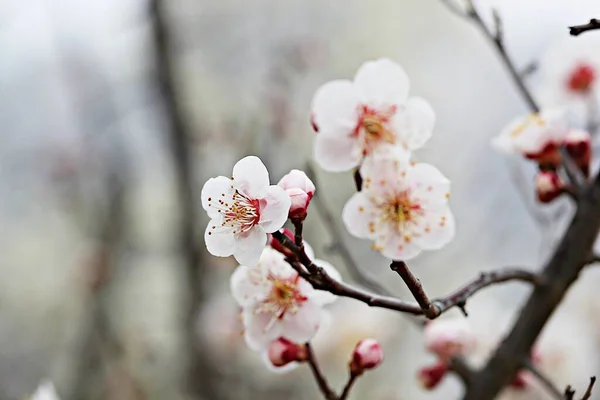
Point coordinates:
pixel 449 338
pixel 301 190
pixel 274 243
pixel 548 186
pixel 582 78
pixel 283 351
pixel 367 355
pixel 578 145
pixel 430 377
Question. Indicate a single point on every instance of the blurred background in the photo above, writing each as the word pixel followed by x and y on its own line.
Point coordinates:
pixel 113 114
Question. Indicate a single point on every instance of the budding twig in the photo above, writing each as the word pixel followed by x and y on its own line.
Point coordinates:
pixel 319 377
pixel 576 30
pixel 415 287
pixel 570 393
pixel 348 386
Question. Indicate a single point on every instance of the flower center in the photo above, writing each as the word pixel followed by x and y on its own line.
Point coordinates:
pixel 581 79
pixel 372 128
pixel 239 213
pixel 532 119
pixel 285 297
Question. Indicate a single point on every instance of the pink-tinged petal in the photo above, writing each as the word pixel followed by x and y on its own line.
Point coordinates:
pixel 249 285
pixel 260 330
pixel 274 209
pixel 219 244
pixel 415 123
pixel 250 176
pixel 249 246
pixel 322 297
pixel 335 107
pixel 428 184
pixel 277 370
pixel 359 215
pixel 302 326
pixel 436 230
pixel 384 175
pixel 337 151
pixel 382 83
pixel 397 247
pixel 213 190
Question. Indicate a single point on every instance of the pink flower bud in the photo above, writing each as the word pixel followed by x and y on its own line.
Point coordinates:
pixel 282 352
pixel 274 243
pixel 430 377
pixel 548 186
pixel 301 190
pixel 367 355
pixel 578 144
pixel 448 338
pixel 582 78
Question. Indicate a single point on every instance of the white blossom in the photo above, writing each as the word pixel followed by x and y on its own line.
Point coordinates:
pixel 448 338
pixel 277 302
pixel 402 207
pixel 45 391
pixel 243 210
pixel 371 114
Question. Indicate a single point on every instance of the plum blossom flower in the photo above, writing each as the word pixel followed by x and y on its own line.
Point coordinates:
pixel 243 210
pixel 366 355
pixel 46 391
pixel 371 114
pixel 449 338
pixel 535 136
pixel 301 190
pixel 402 207
pixel 277 302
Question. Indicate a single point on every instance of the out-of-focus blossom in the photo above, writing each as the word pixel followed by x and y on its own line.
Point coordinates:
pixel 277 302
pixel 449 338
pixel 403 208
pixel 367 116
pixel 301 190
pixel 243 210
pixel 431 376
pixel 367 354
pixel 46 391
pixel 548 186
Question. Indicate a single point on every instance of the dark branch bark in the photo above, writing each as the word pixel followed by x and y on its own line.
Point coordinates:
pixel 348 387
pixel 576 30
pixel 415 287
pixel 319 377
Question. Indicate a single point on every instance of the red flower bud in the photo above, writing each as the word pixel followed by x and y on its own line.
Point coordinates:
pixel 430 377
pixel 582 78
pixel 283 351
pixel 367 355
pixel 548 186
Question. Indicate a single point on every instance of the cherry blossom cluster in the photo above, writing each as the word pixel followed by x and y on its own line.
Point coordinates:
pixel 539 137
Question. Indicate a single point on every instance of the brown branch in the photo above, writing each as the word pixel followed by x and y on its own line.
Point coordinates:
pixel 415 287
pixel 574 173
pixel 544 380
pixel 319 377
pixel 346 392
pixel 570 393
pixel 576 30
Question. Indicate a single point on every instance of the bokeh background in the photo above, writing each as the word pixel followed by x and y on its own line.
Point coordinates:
pixel 98 289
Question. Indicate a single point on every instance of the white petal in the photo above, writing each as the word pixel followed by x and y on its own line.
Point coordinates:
pixel 428 184
pixel 385 175
pixel 358 215
pixel 248 285
pixel 335 106
pixel 337 151
pixel 277 370
pixel 382 83
pixel 46 391
pixel 414 125
pixel 220 244
pixel 256 334
pixel 322 297
pixel 302 326
pixel 396 247
pixel 216 188
pixel 274 209
pixel 437 229
pixel 249 246
pixel 251 177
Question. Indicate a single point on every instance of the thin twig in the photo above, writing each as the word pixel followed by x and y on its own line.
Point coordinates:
pixel 348 387
pixel 576 30
pixel 452 7
pixel 553 390
pixel 575 175
pixel 415 287
pixel 319 377
pixel 588 393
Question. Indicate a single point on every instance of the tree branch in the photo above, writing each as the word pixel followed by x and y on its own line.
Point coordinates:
pixel 348 387
pixel 415 287
pixel 576 30
pixel 576 177
pixel 570 393
pixel 544 380
pixel 319 377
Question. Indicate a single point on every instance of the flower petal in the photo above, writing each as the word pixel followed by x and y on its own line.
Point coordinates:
pixel 437 229
pixel 428 184
pixel 277 370
pixel 220 244
pixel 216 188
pixel 248 285
pixel 322 297
pixel 382 83
pixel 256 334
pixel 335 107
pixel 396 247
pixel 249 246
pixel 358 216
pixel 415 124
pixel 275 208
pixel 250 176
pixel 337 151
pixel 302 326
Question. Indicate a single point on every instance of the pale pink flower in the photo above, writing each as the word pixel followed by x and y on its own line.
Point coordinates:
pixel 403 208
pixel 46 391
pixel 367 354
pixel 533 134
pixel 449 338
pixel 277 302
pixel 371 114
pixel 243 210
pixel 300 189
